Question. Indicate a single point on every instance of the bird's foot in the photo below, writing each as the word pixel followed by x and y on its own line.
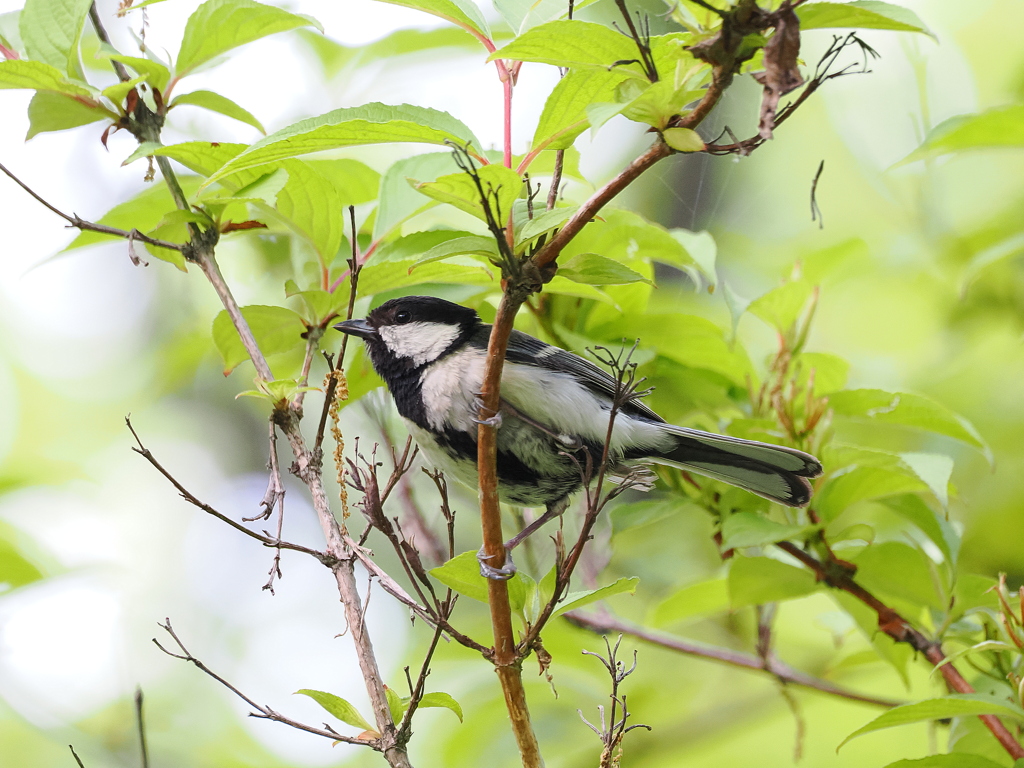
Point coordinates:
pixel 506 572
pixel 491 421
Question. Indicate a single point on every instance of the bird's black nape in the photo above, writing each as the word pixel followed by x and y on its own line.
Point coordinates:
pixel 423 309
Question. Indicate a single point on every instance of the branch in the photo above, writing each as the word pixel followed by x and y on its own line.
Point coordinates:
pixel 142 727
pixel 606 624
pixel 103 229
pixel 263 712
pixel 840 576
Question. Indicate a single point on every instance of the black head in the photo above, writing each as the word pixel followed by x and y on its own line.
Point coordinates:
pixel 408 333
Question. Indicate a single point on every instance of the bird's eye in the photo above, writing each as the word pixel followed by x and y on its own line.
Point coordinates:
pixel 403 316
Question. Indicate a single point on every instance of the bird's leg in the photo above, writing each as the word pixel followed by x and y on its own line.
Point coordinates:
pixel 569 442
pixel 554 509
pixel 491 421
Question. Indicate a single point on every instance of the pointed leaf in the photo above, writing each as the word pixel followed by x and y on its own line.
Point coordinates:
pixel 395 705
pixel 313 208
pixel 458 246
pixel 999 127
pixel 565 111
pixel 338 708
pixel 217 26
pixel 501 185
pixel 50 111
pixel 369 124
pixel 463 13
pixel 860 14
pixel 935 469
pixel 954 705
pixel 747 529
pixel 220 104
pixel 19 73
pixel 594 269
pixel 439 699
pixel 572 43
pixel 575 600
pixel 117 92
pixel 157 74
pixel 781 307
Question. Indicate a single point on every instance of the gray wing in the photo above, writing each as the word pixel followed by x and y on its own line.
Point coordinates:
pixel 524 349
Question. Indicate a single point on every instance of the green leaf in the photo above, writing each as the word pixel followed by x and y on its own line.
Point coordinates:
pixel 860 14
pixel 908 410
pixel 462 13
pixel 954 705
pixel 392 275
pixel 462 574
pixel 572 43
pixel 935 470
pixel 502 186
pixel 156 74
pixel 759 580
pixel 898 655
pixel 458 246
pixel 18 73
pixel 355 182
pixel 119 91
pixel 575 600
pixel 594 269
pixel 700 249
pixel 369 124
pixel 395 705
pixel 781 307
pixel 50 31
pixel 638 513
pixel 861 483
pixel 399 201
pixel 936 527
pixel 700 599
pixel 440 699
pixel 50 111
pixel 999 127
pixel 565 112
pixel 830 371
pixel 217 26
pixel 900 571
pixel 203 157
pixel 683 139
pixel 277 329
pixel 654 104
pixel 952 760
pixel 542 223
pixel 338 708
pixel 747 529
pixel 313 209
pixel 220 104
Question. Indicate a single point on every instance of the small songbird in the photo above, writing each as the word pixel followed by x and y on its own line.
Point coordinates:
pixel 555 408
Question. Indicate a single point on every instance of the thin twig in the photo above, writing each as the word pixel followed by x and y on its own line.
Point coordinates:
pixel 103 229
pixel 607 624
pixel 77 758
pixel 263 712
pixel 142 727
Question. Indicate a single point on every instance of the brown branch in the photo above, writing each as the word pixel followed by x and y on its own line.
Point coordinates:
pixel 266 541
pixel 606 624
pixel 262 712
pixel 79 223
pixel 839 576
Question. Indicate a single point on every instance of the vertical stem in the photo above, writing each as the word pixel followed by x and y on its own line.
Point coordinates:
pixel 508 119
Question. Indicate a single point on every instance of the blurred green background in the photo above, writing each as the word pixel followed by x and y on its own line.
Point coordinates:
pixel 917 294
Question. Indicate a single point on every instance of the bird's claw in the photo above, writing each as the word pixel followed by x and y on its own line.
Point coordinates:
pixel 491 421
pixel 506 572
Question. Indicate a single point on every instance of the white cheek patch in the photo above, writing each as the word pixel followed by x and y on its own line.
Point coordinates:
pixel 420 342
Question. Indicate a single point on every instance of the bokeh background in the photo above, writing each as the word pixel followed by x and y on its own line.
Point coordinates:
pixel 908 297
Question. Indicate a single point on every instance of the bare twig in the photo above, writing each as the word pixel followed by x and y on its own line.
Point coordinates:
pixel 103 229
pixel 614 728
pixel 605 624
pixel 261 711
pixel 77 758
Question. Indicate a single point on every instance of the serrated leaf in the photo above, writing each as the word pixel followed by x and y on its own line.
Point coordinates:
pixel 860 14
pixel 999 127
pixel 338 708
pixel 220 104
pixel 759 580
pixel 276 329
pixel 905 409
pixel 574 44
pixel 747 529
pixel 463 13
pixel 575 600
pixel 565 112
pixel 594 269
pixel 700 599
pixel 50 31
pixel 48 111
pixel 217 26
pixel 440 699
pixel 953 705
pixel 18 73
pixel 501 185
pixel 369 124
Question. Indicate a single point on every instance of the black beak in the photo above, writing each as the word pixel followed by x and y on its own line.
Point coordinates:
pixel 359 328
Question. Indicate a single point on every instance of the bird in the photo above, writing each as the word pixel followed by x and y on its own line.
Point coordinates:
pixel 555 409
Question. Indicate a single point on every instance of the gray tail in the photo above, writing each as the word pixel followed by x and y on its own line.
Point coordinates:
pixel 771 471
